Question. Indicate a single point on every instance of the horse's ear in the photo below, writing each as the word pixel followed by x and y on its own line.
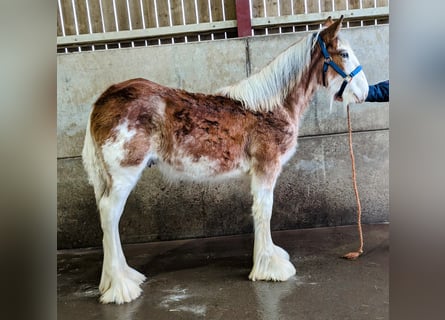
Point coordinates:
pixel 330 33
pixel 328 22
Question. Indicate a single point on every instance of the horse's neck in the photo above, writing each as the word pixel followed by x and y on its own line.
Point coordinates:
pixel 299 97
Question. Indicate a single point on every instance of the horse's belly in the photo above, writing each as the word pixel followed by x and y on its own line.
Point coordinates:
pixel 201 168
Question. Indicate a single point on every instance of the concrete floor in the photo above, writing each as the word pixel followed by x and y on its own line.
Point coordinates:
pixel 207 278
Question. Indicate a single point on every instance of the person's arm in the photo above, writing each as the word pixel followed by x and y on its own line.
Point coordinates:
pixel 378 92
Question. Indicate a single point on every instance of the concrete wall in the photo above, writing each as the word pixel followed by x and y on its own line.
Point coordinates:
pixel 314 189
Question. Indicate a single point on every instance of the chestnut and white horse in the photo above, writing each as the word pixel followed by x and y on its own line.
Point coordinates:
pixel 248 128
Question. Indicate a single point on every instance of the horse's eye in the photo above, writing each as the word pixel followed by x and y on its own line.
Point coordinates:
pixel 344 55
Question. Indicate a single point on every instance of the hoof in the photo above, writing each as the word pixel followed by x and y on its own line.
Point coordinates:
pixel 122 287
pixel 273 267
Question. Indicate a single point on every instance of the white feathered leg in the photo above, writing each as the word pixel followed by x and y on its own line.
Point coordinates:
pixel 270 262
pixel 119 283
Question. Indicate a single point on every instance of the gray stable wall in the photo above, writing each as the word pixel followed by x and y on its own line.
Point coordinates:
pixel 314 189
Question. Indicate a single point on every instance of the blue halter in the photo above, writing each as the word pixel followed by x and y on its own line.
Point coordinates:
pixel 329 62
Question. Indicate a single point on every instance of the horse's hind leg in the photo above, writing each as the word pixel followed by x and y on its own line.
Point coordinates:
pixel 270 262
pixel 119 283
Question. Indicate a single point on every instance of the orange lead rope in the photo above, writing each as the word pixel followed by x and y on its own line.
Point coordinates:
pixel 356 254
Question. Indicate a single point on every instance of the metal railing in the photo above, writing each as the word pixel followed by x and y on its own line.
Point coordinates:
pixel 304 15
pixel 106 24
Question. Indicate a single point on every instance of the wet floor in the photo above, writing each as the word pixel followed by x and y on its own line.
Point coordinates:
pixel 207 279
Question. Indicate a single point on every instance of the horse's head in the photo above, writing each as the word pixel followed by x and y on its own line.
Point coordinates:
pixel 342 74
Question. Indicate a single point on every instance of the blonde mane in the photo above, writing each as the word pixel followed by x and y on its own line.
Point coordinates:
pixel 267 89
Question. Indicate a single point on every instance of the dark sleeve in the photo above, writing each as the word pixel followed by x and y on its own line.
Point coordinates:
pixel 378 92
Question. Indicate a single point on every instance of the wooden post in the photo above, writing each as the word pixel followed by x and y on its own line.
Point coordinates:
pixel 243 18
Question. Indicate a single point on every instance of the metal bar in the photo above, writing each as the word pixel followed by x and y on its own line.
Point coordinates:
pixel 79 49
pixel 102 16
pixel 89 16
pixel 102 19
pixel 116 21
pixel 170 21
pixel 243 18
pixel 183 12
pixel 145 33
pixel 130 24
pixel 224 15
pixel 156 18
pixel 141 4
pixel 89 21
pixel 265 15
pixel 62 26
pixel 197 17
pixel 196 12
pixel 156 13
pixel 183 17
pixel 375 6
pixel 115 16
pixel 210 16
pixel 223 10
pixel 293 12
pixel 75 16
pixel 142 13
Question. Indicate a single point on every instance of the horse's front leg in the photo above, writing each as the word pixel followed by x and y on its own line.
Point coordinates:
pixel 270 262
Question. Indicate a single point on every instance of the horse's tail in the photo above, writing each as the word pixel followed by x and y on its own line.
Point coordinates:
pixel 94 165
